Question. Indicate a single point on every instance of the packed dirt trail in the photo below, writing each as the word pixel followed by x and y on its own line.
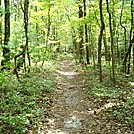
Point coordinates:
pixel 69 112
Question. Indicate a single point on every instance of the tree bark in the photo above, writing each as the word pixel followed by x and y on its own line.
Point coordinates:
pixel 112 43
pixel 125 38
pixel 100 41
pixel 6 50
pixel 0 24
pixel 26 5
pixel 86 35
pixel 80 35
pixel 131 35
pixel 25 47
pixel 128 54
pixel 48 25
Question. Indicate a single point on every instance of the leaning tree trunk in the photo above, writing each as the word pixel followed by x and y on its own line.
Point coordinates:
pixel 100 41
pixel 6 50
pixel 112 43
pixel 25 47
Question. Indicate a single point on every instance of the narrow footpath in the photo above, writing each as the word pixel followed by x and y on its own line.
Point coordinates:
pixel 69 110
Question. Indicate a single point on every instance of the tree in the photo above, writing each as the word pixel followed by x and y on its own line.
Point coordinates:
pixel 48 23
pixel 100 41
pixel 125 39
pixel 80 34
pixel 25 47
pixel 86 34
pixel 131 36
pixel 112 42
pixel 0 24
pixel 6 50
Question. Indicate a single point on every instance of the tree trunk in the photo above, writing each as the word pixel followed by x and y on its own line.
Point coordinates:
pixel 26 4
pixel 0 24
pixel 25 47
pixel 86 35
pixel 112 43
pixel 6 50
pixel 80 36
pixel 100 41
pixel 128 54
pixel 125 36
pixel 133 60
pixel 131 35
pixel 105 46
pixel 118 52
pixel 48 25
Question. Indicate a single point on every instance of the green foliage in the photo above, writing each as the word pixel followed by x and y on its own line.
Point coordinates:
pixel 122 104
pixel 122 111
pixel 109 92
pixel 22 105
pixel 120 97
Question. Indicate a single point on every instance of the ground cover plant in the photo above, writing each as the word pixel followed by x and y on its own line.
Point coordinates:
pixel 116 102
pixel 93 44
pixel 23 104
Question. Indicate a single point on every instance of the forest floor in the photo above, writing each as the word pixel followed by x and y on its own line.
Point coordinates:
pixel 72 111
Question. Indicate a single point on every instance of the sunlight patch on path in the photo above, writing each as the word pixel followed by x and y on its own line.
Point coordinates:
pixel 58 131
pixel 70 73
pixel 73 122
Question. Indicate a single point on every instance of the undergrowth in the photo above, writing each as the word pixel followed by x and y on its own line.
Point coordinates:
pixel 22 105
pixel 121 96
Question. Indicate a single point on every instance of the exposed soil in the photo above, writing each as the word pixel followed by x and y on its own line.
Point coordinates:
pixel 71 111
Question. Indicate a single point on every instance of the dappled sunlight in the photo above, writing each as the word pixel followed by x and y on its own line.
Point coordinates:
pixel 96 110
pixel 70 73
pixel 52 130
pixel 104 107
pixel 58 131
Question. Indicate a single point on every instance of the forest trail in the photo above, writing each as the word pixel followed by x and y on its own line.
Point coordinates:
pixel 69 111
pixel 72 111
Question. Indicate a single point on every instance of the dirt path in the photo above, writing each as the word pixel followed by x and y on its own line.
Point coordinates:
pixel 69 109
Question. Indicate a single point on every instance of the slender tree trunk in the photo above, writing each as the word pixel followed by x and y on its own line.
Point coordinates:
pixel 100 41
pixel 112 43
pixel 125 36
pixel 133 60
pixel 0 24
pixel 6 50
pixel 25 47
pixel 128 54
pixel 26 5
pixel 48 25
pixel 118 52
pixel 86 35
pixel 131 35
pixel 37 26
pixel 80 36
pixel 105 46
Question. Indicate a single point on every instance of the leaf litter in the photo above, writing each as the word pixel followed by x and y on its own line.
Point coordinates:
pixel 72 111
